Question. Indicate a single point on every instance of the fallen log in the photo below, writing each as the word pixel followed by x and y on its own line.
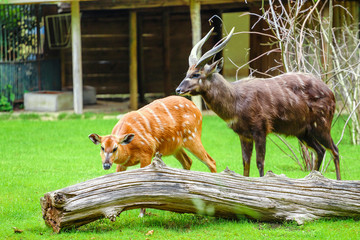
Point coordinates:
pixel 226 194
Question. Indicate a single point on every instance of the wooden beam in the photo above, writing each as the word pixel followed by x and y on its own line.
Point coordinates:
pixel 141 4
pixel 133 61
pixel 129 4
pixel 355 12
pixel 195 16
pixel 76 57
pixel 62 68
pixel 38 1
pixel 141 60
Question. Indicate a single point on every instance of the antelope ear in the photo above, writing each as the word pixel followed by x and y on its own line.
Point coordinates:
pixel 215 67
pixel 96 139
pixel 127 139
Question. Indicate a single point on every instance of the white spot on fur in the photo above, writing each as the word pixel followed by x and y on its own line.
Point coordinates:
pixel 157 139
pixel 137 132
pixel 108 155
pixel 168 112
pixel 176 107
pixel 299 78
pixel 190 138
pixel 280 88
pixel 189 131
pixel 187 105
pixel 184 140
pixel 142 142
pixel 145 119
pixel 315 124
pixel 156 118
pixel 180 105
pixel 173 138
pixel 194 115
pixel 232 121
pixel 193 134
pixel 195 129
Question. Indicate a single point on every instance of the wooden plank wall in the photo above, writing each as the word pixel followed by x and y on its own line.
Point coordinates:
pixel 259 44
pixel 105 53
pixel 180 47
pixel 105 41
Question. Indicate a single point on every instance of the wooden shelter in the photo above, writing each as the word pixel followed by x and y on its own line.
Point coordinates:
pixel 138 47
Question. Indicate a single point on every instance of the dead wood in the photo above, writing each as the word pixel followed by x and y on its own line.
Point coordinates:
pixel 226 194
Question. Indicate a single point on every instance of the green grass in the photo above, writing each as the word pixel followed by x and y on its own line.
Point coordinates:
pixel 41 156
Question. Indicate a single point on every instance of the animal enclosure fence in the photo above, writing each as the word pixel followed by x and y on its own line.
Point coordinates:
pixel 21 51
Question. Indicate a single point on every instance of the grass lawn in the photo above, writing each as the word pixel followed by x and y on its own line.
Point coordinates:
pixel 41 156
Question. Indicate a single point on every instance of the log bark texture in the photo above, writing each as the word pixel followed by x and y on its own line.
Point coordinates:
pixel 226 194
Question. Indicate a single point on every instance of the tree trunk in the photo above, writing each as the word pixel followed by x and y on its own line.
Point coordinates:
pixel 226 194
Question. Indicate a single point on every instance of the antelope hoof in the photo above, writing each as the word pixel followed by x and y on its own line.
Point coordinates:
pixel 142 212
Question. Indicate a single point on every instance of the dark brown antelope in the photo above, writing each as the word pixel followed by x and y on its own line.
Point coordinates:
pixel 295 104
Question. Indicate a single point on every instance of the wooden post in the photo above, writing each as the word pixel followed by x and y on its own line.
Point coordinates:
pixel 195 17
pixel 141 60
pixel 62 67
pixel 355 12
pixel 133 61
pixel 76 57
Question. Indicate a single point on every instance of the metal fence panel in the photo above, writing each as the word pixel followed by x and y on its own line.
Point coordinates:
pixel 29 76
pixel 22 68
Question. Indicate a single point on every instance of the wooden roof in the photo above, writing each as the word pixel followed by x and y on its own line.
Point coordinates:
pixel 130 4
pixel 37 1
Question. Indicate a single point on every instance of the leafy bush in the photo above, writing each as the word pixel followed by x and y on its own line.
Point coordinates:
pixel 6 103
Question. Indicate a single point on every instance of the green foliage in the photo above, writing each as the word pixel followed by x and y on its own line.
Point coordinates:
pixel 5 105
pixel 41 156
pixel 6 100
pixel 19 27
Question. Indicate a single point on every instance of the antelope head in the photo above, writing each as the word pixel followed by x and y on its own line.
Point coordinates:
pixel 199 72
pixel 111 148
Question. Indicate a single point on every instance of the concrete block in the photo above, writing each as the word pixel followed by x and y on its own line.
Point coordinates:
pixel 48 101
pixel 89 94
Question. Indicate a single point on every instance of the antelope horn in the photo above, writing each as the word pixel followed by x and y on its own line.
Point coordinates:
pixel 209 54
pixel 195 51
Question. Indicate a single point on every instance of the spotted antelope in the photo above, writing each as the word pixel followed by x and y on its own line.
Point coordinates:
pixel 168 125
pixel 295 104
